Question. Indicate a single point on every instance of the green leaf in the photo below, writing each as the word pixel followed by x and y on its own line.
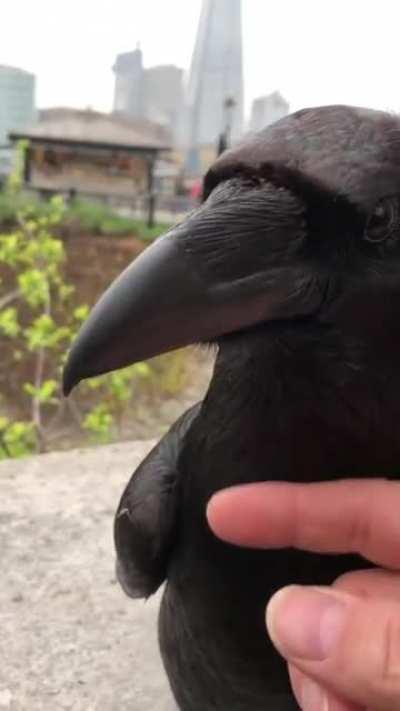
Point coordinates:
pixel 143 370
pixel 44 393
pixel 95 383
pixel 98 422
pixel 44 333
pixel 44 249
pixel 65 291
pixel 4 422
pixel 11 249
pixel 34 286
pixel 120 385
pixel 9 325
pixel 81 313
pixel 18 438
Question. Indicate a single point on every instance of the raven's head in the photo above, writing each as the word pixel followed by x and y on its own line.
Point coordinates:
pixel 301 221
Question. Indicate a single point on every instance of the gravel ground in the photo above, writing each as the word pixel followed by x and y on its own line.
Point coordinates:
pixel 69 637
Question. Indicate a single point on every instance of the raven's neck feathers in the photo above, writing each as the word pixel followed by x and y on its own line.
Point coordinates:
pixel 299 402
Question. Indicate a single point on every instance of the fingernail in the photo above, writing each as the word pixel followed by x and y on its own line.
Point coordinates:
pixel 306 622
pixel 313 697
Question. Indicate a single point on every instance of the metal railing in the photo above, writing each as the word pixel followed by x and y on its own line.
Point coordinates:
pixel 167 208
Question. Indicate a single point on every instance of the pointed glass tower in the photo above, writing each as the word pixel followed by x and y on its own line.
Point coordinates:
pixel 216 75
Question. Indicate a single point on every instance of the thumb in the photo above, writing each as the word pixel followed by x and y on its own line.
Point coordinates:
pixel 346 644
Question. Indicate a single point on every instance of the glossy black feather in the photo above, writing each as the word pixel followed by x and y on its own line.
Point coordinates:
pixel 146 520
pixel 276 270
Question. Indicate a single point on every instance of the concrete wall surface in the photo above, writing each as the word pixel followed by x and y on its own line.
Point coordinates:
pixel 69 638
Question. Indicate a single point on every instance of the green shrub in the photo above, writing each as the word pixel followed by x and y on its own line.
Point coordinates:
pixel 99 219
pixel 38 321
pixel 81 216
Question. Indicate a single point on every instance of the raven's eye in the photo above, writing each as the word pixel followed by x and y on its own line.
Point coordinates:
pixel 384 221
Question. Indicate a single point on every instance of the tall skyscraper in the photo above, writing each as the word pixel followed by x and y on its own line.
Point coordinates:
pixel 216 75
pixel 17 100
pixel 128 92
pixel 267 110
pixel 17 108
pixel 163 96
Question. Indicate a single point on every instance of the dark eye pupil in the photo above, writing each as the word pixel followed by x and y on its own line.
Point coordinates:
pixel 379 214
pixel 378 220
pixel 383 221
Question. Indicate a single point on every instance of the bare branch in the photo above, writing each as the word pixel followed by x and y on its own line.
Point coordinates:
pixel 39 376
pixel 9 298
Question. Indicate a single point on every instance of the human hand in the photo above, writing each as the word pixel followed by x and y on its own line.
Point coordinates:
pixel 342 644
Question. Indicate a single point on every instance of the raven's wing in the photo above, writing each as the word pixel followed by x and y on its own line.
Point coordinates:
pixel 145 521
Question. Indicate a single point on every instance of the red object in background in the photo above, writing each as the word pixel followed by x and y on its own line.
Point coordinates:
pixel 196 190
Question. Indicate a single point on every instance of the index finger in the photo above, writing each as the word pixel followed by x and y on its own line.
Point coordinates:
pixel 347 516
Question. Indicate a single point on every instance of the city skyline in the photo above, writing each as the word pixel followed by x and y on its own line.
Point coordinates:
pixel 155 94
pixel 314 53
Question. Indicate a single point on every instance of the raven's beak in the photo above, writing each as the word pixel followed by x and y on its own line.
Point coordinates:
pixel 166 299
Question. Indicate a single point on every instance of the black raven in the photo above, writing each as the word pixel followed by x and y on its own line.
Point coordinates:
pixel 292 267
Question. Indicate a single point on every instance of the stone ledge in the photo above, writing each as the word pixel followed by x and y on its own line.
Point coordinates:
pixel 69 637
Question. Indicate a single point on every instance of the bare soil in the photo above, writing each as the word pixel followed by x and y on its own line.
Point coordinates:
pixel 92 263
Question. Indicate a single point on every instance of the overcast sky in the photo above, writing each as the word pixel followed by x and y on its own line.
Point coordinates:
pixel 313 51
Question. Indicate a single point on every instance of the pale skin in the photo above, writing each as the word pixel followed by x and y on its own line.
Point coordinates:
pixel 342 644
